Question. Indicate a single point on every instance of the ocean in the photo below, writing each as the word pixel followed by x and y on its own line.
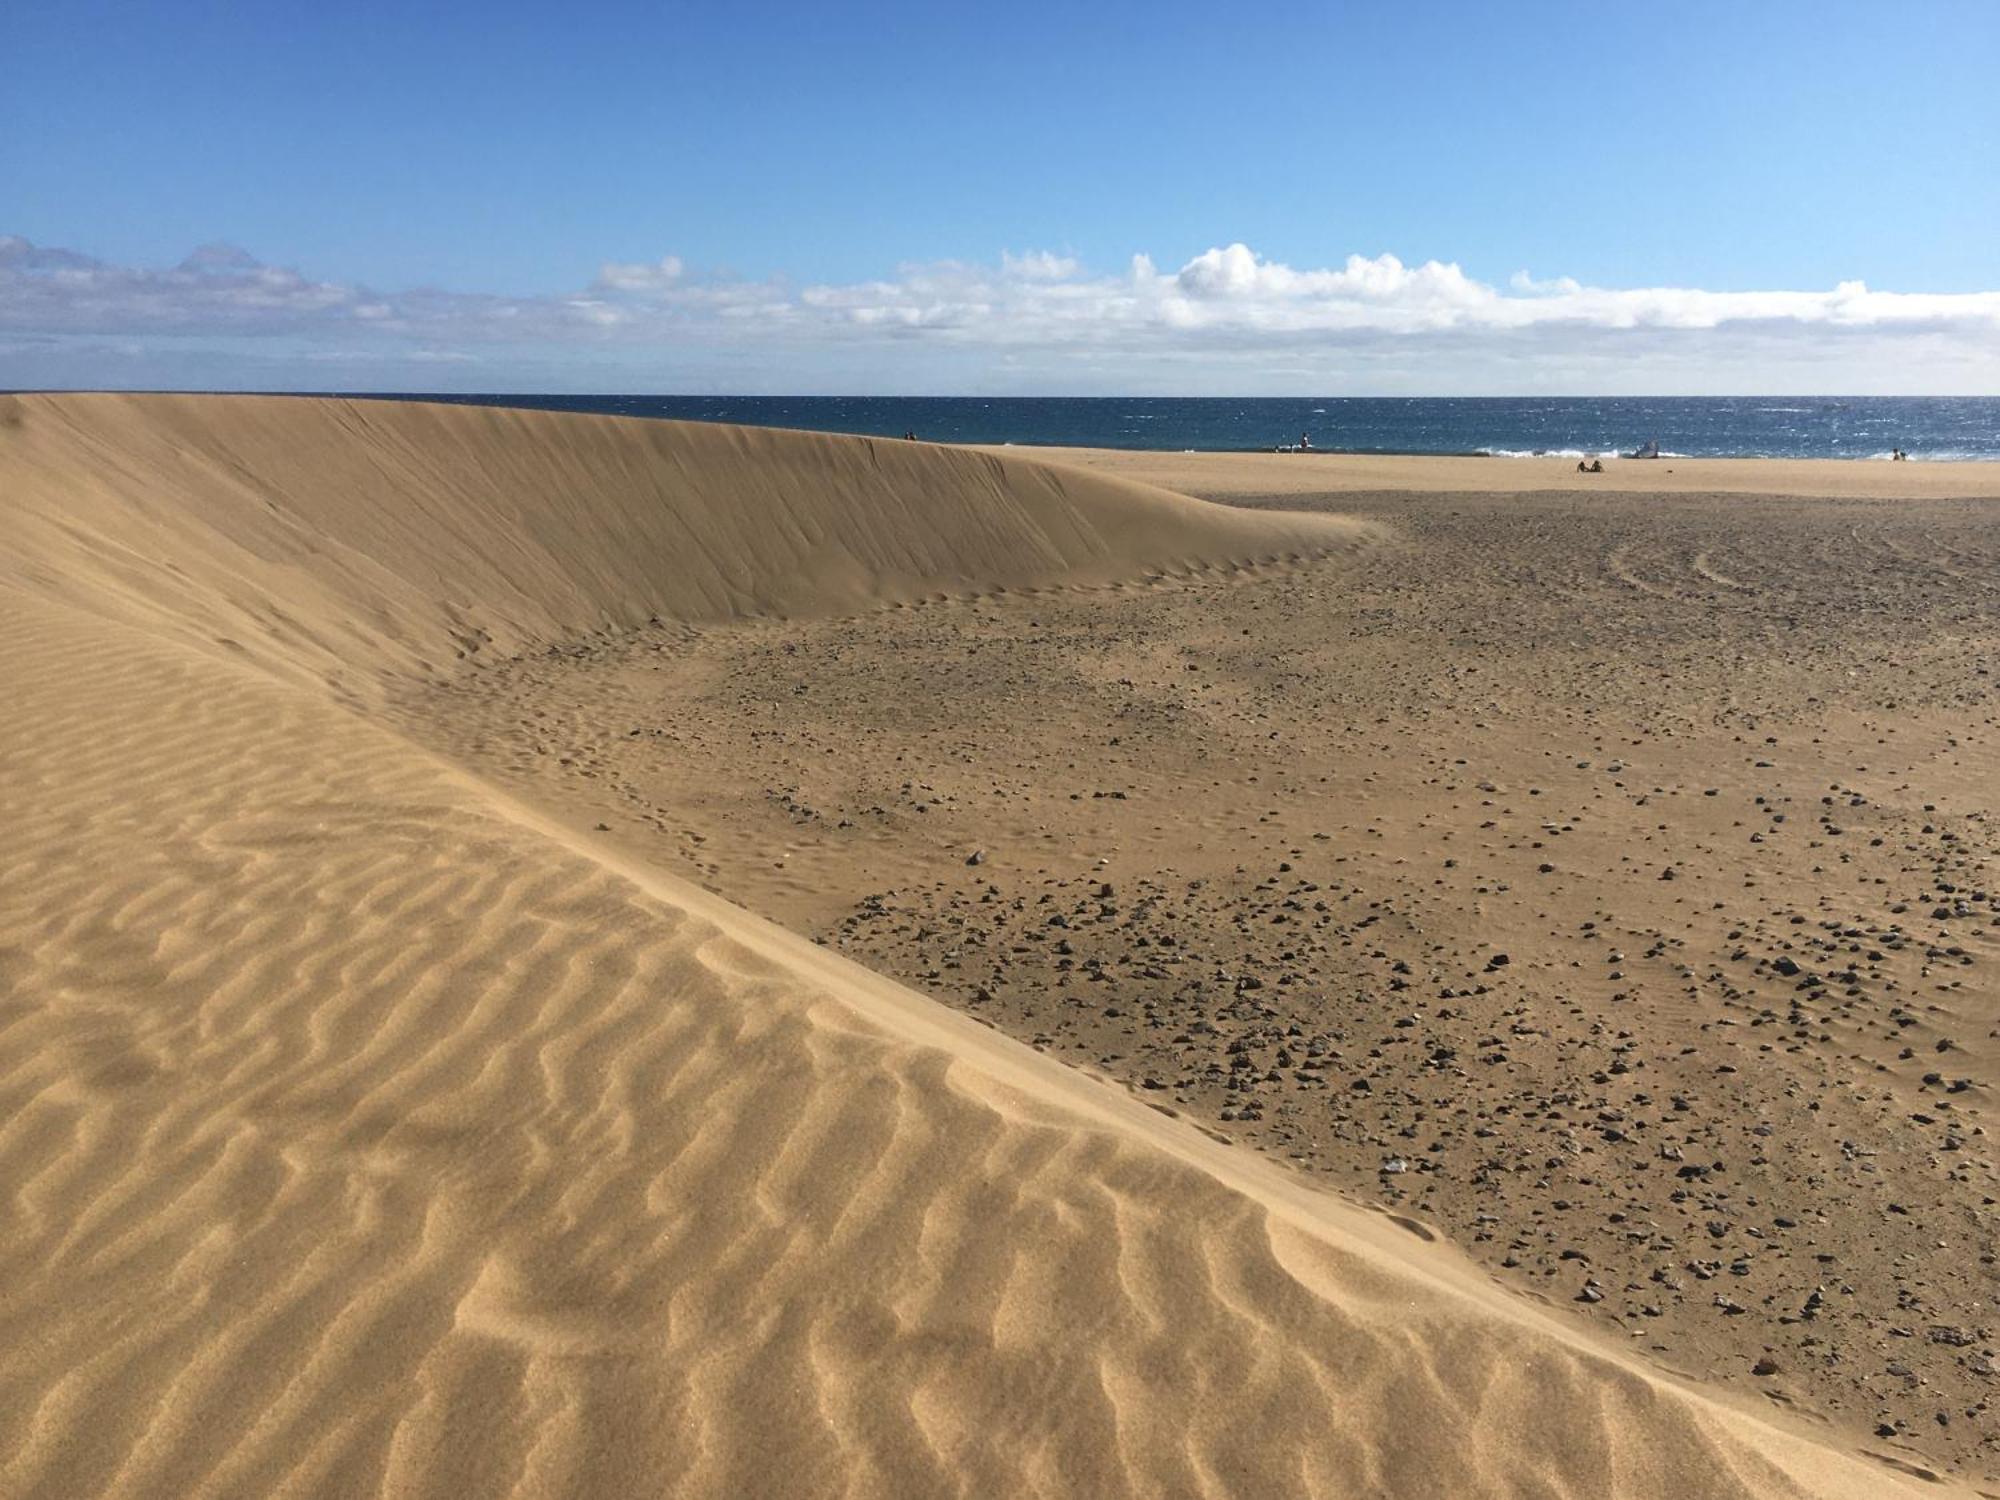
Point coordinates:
pixel 1860 427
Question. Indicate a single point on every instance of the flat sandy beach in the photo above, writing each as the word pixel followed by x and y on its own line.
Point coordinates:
pixel 1231 474
pixel 553 955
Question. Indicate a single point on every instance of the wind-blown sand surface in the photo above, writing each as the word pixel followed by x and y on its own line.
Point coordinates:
pixel 366 1129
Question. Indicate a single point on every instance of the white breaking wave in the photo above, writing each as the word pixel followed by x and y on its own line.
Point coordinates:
pixel 1557 453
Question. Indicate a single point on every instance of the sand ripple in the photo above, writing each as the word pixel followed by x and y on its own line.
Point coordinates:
pixel 359 1135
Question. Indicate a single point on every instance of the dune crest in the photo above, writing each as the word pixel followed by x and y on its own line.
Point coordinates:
pixel 364 1132
pixel 337 539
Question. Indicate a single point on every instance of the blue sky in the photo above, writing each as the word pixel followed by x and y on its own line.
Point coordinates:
pixel 447 186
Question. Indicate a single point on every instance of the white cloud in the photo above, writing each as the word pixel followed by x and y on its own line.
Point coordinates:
pixel 1227 315
pixel 658 276
pixel 1039 265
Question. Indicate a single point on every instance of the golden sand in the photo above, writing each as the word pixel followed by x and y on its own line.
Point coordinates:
pixel 1236 474
pixel 366 1130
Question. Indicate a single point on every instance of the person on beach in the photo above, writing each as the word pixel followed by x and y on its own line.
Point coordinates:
pixel 1305 442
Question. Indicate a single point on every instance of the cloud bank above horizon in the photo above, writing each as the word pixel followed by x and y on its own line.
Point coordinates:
pixel 1226 321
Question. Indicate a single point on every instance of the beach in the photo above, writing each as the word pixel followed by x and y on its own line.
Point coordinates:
pixel 1235 475
pixel 547 954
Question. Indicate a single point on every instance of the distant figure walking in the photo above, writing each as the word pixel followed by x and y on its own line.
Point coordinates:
pixel 1898 455
pixel 1305 442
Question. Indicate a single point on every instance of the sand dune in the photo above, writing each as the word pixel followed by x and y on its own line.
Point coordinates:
pixel 364 1132
pixel 338 539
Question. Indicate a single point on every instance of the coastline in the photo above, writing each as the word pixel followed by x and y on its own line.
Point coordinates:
pixel 1846 430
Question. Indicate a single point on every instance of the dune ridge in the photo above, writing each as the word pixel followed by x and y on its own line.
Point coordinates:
pixel 366 1132
pixel 336 539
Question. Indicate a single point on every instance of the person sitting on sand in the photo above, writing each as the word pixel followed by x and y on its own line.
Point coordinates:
pixel 1597 466
pixel 1582 467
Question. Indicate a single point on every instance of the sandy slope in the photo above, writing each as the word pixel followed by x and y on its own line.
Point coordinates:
pixel 338 539
pixel 364 1133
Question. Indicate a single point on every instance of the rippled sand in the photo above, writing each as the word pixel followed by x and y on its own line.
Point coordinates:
pixel 364 1131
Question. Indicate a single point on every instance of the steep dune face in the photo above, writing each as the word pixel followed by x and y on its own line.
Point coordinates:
pixel 363 1133
pixel 336 538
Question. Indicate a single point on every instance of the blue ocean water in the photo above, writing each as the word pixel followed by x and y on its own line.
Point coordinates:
pixel 1863 427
